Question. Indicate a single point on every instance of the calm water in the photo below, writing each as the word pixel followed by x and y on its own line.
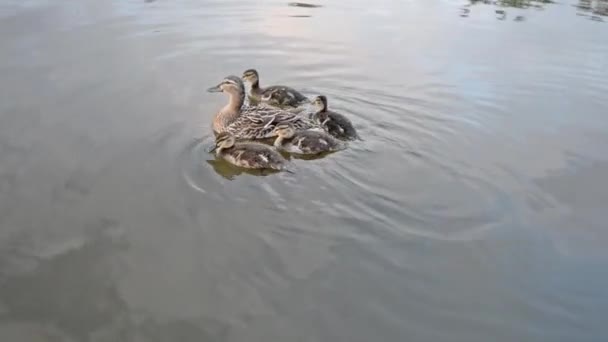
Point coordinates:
pixel 475 209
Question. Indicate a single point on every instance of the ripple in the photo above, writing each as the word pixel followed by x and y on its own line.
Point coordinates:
pixel 191 160
pixel 459 203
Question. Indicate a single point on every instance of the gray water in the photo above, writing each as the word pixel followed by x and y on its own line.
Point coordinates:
pixel 474 209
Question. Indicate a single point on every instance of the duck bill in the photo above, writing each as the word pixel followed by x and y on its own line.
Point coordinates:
pixel 215 89
pixel 212 149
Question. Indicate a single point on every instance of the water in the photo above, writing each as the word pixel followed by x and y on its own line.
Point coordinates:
pixel 474 210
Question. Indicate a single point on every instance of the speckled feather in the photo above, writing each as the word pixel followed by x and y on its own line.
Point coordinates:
pixel 283 96
pixel 259 123
pixel 311 142
pixel 336 124
pixel 274 95
pixel 246 122
pixel 254 155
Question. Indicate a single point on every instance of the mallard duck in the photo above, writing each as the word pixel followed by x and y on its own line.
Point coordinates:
pixel 250 155
pixel 335 123
pixel 305 141
pixel 246 122
pixel 283 96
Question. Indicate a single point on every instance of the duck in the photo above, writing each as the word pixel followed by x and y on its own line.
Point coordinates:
pixel 283 96
pixel 252 123
pixel 276 98
pixel 248 154
pixel 305 141
pixel 336 124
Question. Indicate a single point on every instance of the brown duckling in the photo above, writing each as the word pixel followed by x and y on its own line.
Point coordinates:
pixel 278 97
pixel 283 96
pixel 248 154
pixel 335 123
pixel 305 141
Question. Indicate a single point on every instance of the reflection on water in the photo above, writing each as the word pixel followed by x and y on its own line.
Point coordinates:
pixel 230 171
pixel 71 292
pixel 474 210
pixel 514 3
pixel 303 4
pixel 73 289
pixel 593 9
pixel 502 14
pixel 523 4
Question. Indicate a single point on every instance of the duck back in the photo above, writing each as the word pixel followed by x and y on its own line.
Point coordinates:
pixel 253 155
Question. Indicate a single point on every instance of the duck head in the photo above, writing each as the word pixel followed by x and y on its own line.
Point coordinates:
pixel 284 131
pixel 223 141
pixel 320 103
pixel 230 84
pixel 251 76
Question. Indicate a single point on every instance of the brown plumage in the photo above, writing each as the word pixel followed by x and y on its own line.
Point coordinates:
pixel 250 155
pixel 305 141
pixel 336 124
pixel 277 95
pixel 246 122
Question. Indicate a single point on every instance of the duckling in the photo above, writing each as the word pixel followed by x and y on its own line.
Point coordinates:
pixel 245 122
pixel 305 142
pixel 335 123
pixel 285 96
pixel 276 97
pixel 249 155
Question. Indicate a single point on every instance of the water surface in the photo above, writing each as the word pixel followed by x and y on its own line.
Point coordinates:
pixel 474 210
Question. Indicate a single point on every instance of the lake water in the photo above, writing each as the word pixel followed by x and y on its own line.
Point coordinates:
pixel 474 209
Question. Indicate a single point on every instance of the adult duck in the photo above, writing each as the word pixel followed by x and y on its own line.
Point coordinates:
pixel 245 122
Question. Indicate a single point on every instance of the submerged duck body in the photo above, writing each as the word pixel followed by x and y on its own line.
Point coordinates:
pixel 274 95
pixel 249 155
pixel 296 141
pixel 336 124
pixel 245 122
